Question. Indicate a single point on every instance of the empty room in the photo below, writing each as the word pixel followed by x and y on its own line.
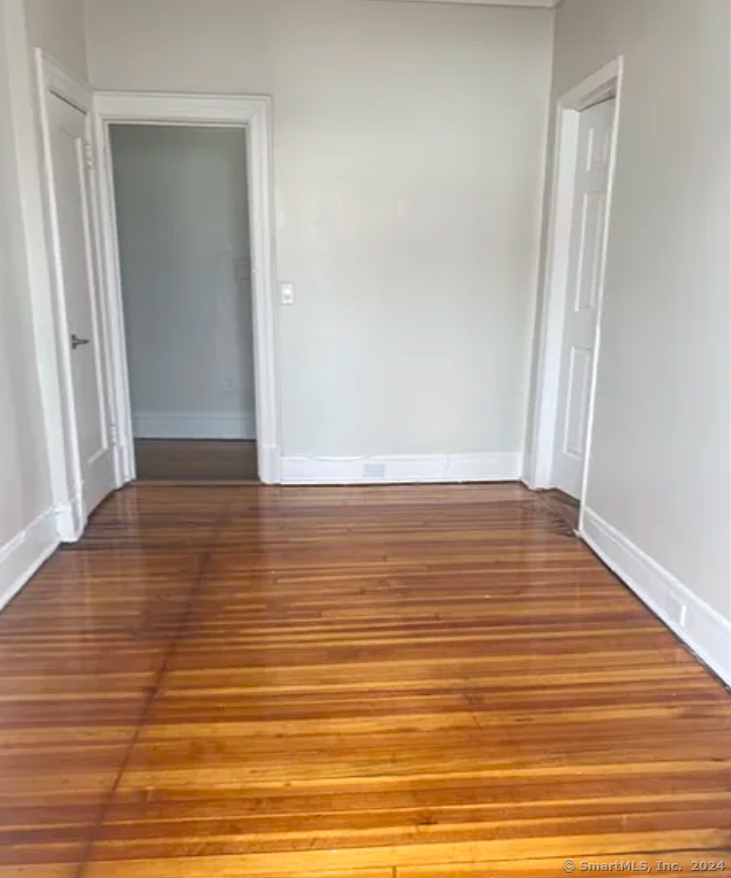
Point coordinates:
pixel 365 487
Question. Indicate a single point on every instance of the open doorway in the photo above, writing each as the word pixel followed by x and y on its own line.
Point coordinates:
pixel 252 116
pixel 586 142
pixel 181 203
pixel 85 372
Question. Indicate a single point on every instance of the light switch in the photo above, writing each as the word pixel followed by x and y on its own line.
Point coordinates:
pixel 288 294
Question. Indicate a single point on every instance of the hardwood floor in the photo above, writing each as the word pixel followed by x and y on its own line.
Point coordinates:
pixel 386 682
pixel 196 460
pixel 565 507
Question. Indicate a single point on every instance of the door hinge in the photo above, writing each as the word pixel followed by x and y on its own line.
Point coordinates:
pixel 113 435
pixel 89 155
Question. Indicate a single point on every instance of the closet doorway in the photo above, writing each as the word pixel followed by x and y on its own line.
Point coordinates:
pixel 181 201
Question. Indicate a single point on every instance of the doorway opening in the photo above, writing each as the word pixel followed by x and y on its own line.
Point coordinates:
pixel 84 368
pixel 185 204
pixel 181 203
pixel 570 332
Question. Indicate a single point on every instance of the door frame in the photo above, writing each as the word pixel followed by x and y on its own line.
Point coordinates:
pixel 602 85
pixel 53 79
pixel 200 110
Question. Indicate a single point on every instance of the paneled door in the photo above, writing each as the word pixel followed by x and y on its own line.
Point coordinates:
pixel 76 277
pixel 585 278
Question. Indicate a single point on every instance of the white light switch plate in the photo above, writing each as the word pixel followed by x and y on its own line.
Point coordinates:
pixel 287 294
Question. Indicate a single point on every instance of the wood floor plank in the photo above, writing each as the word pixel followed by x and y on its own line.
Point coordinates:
pixel 196 460
pixel 385 682
pixel 305 862
pixel 652 862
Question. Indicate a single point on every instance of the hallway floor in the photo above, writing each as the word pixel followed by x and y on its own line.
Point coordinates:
pixel 196 460
pixel 382 682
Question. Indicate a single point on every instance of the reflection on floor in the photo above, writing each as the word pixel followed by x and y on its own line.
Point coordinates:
pixel 195 460
pixel 420 682
pixel 563 507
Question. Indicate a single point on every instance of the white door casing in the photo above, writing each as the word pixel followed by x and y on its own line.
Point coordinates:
pixel 69 161
pixel 585 277
pixel 254 114
pixel 555 295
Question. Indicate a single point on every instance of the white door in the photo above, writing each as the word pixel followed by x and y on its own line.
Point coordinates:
pixel 585 277
pixel 76 277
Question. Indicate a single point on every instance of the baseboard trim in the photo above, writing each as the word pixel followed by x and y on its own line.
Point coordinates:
pixel 70 520
pixel 270 464
pixel 699 626
pixel 21 557
pixel 194 425
pixel 399 469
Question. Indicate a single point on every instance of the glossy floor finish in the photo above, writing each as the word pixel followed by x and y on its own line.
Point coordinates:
pixel 563 506
pixel 386 682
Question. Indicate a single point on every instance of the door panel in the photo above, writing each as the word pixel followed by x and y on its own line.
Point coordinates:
pixel 579 386
pixel 586 268
pixel 68 128
pixel 588 275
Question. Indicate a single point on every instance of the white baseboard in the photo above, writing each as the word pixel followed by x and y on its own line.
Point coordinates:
pixel 269 463
pixel 407 468
pixel 70 520
pixel 194 425
pixel 24 554
pixel 697 624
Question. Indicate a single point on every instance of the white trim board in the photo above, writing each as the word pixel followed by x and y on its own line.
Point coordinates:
pixel 194 425
pixel 23 555
pixel 698 625
pixel 406 468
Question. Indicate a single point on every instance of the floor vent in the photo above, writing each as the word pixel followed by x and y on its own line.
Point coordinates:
pixel 374 470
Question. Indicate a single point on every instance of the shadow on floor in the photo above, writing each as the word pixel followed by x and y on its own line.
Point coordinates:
pixel 204 460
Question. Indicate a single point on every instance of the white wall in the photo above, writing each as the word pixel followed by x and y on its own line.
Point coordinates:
pixel 182 215
pixel 27 503
pixel 409 155
pixel 24 477
pixel 658 486
pixel 57 26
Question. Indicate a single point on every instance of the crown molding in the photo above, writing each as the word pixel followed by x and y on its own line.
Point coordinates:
pixel 531 4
